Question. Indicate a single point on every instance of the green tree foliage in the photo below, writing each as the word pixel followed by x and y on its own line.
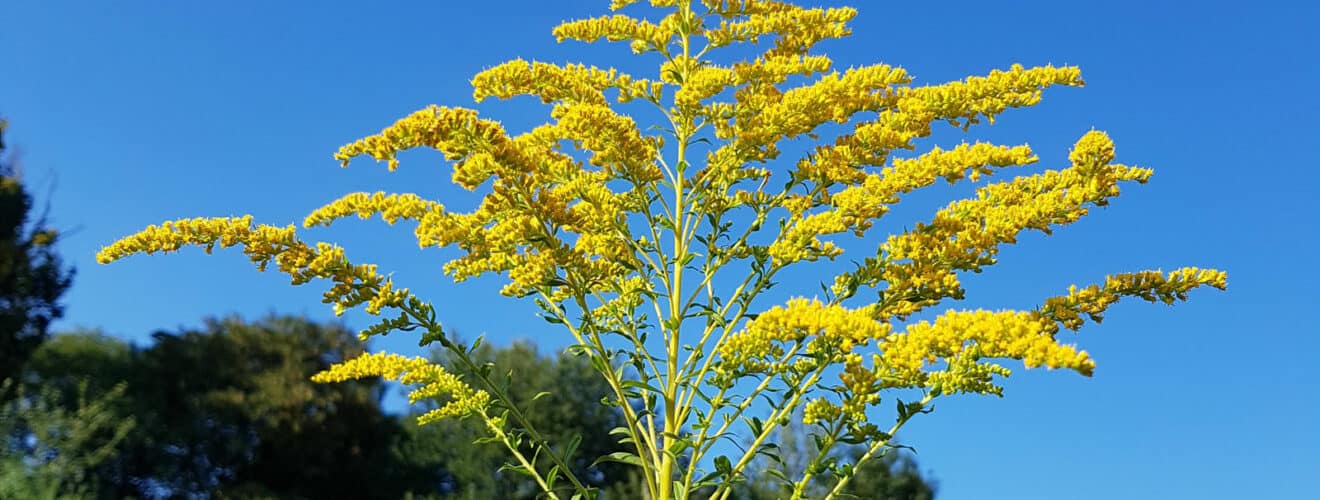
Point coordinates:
pixel 50 449
pixel 231 407
pixel 72 362
pixel 32 278
pixel 69 422
pixel 228 411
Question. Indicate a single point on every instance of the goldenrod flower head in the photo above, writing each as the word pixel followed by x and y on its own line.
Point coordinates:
pixel 794 29
pixel 643 36
pixel 829 330
pixel 433 382
pixel 391 207
pixel 620 4
pixel 963 338
pixel 573 83
pixel 821 410
pixel 353 285
pixel 1149 285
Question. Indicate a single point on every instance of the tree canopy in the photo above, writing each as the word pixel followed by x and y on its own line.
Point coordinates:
pixel 32 276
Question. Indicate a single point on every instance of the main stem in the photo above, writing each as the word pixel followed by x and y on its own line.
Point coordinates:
pixel 673 422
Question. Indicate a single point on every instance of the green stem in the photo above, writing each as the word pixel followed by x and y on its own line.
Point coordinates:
pixel 800 488
pixel 522 459
pixel 644 442
pixel 502 396
pixel 723 492
pixel 704 444
pixel 877 446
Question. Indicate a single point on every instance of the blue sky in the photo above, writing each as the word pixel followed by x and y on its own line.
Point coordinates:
pixel 130 113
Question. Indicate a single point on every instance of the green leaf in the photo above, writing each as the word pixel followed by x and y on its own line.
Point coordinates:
pixel 622 457
pixel 637 384
pixel 551 476
pixel 571 447
pixel 679 445
pixel 778 474
pixel 723 465
pixel 517 468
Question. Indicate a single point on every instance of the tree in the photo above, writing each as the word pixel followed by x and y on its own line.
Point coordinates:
pixel 236 399
pixel 70 363
pixel 69 419
pixel 32 278
pixel 653 252
pixel 228 410
pixel 51 449
pixel 46 447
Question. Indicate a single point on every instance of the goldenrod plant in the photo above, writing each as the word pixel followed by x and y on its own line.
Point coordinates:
pixel 652 248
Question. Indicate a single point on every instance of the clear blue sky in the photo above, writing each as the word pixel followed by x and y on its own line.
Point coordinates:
pixel 129 113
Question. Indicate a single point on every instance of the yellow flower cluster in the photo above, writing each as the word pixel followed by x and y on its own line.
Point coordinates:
pixel 1004 334
pixel 911 113
pixel 643 35
pixel 391 207
pixel 614 140
pixel 965 337
pixel 857 207
pixel 801 240
pixel 433 380
pixel 537 189
pixel 918 266
pixel 834 97
pixel 1149 285
pixel 862 203
pixel 455 131
pixel 739 8
pixel 537 192
pixel 620 4
pixel 795 29
pixel 702 83
pixel 629 294
pixel 573 83
pixel 761 119
pixel 987 96
pixel 821 410
pixel 962 340
pixel 831 330
pixel 353 284
pixel 861 387
pixel 964 373
pixel 755 82
pixel 766 71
